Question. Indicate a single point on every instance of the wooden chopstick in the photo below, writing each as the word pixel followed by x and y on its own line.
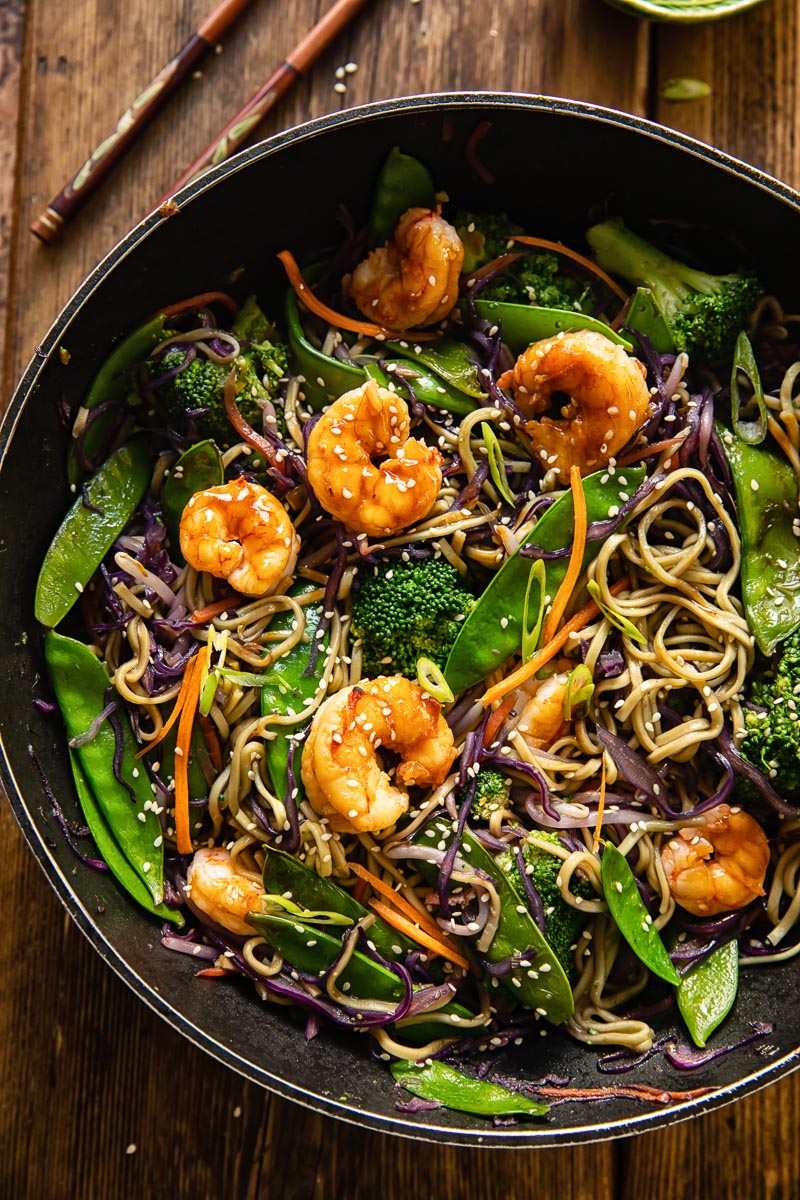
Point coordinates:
pixel 240 126
pixel 71 198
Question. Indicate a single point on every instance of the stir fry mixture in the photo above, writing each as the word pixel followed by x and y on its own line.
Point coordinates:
pixel 430 658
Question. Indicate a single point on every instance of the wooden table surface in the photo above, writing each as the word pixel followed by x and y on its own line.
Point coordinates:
pixel 99 1098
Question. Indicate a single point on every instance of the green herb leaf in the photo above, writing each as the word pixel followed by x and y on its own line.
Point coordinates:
pixel 437 1081
pixel 631 917
pixel 685 89
pixel 615 618
pixel 537 580
pixel 706 992
pixel 430 677
pixel 497 463
pixel 751 428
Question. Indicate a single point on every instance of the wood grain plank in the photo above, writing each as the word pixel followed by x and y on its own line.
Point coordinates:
pixel 88 1071
pixel 750 63
pixel 11 29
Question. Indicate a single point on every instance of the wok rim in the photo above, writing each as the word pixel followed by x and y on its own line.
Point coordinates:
pixel 421 1130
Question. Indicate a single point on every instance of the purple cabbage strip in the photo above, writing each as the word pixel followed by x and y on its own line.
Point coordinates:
pixel 472 490
pixel 686 1058
pixel 182 945
pixel 598 530
pixel 514 764
pixel 417 1105
pixel 45 706
pixel 448 863
pixel 313 1024
pixel 119 745
pixel 97 864
pixel 329 599
pixel 532 897
pixel 93 730
pixel 619 1062
pixel 189 355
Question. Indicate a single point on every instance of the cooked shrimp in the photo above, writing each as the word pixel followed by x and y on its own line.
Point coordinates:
pixel 216 889
pixel 239 532
pixel 412 280
pixel 540 705
pixel 719 866
pixel 342 773
pixel 607 399
pixel 372 422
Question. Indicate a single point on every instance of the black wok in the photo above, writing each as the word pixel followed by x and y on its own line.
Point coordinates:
pixel 553 160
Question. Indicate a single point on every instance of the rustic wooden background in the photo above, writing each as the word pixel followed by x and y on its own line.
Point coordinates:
pixel 98 1097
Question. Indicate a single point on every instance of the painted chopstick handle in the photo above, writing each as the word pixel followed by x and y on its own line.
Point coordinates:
pixel 70 199
pixel 238 128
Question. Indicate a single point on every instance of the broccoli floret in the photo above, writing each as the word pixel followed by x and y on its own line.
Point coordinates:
pixel 704 313
pixel 491 793
pixel 404 611
pixel 772 737
pixel 563 923
pixel 258 371
pixel 534 279
pixel 485 236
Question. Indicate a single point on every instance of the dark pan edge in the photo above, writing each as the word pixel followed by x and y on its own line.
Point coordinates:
pixel 526 1136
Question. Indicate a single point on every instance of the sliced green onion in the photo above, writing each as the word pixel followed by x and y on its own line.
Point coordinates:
pixel 430 677
pixel 751 428
pixel 580 689
pixel 685 89
pixel 208 691
pixel 615 618
pixel 497 463
pixel 531 633
pixel 306 916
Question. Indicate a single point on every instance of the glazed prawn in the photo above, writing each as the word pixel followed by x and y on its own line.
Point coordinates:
pixel 540 704
pixel 366 423
pixel 412 280
pixel 607 399
pixel 342 774
pixel 238 531
pixel 717 867
pixel 218 891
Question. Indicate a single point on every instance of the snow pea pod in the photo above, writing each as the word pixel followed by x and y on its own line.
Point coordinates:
pixel 493 630
pixel 106 843
pixel 766 501
pixel 707 991
pixel 86 534
pixel 326 377
pixel 440 1082
pixel 522 324
pixel 452 361
pixel 314 950
pixel 542 985
pixel 287 689
pixel 286 875
pixel 80 683
pixel 631 917
pixel 113 383
pixel 645 317
pixel 404 182
pixel 200 467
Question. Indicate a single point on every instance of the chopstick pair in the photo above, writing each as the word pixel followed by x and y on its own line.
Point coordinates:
pixel 51 221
